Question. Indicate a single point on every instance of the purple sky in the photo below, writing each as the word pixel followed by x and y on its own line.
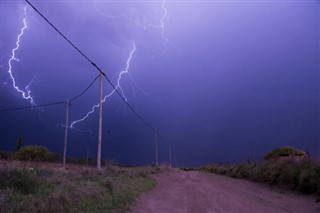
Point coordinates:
pixel 221 80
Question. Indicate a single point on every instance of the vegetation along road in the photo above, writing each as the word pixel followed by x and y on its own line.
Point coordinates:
pixel 195 191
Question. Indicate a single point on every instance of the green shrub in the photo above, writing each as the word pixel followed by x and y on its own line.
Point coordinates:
pixel 19 179
pixel 33 153
pixel 303 176
pixel 72 190
pixel 5 155
pixel 54 157
pixel 283 151
pixel 309 180
pixel 19 143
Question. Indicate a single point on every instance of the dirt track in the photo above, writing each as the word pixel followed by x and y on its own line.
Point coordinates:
pixel 179 191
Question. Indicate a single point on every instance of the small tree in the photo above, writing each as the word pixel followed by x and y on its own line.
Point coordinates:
pixel 19 143
pixel 283 151
pixel 34 153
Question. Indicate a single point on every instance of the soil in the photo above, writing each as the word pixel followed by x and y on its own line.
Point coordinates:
pixel 194 191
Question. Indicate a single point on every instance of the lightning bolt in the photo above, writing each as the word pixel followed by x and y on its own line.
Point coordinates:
pixel 126 70
pixel 27 93
pixel 165 39
pixel 118 86
pixel 162 27
pixel 103 14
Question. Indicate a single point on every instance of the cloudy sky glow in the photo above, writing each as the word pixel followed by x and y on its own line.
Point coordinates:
pixel 221 80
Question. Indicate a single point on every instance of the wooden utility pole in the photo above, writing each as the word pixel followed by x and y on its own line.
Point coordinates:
pixel 308 155
pixel 170 156
pixel 252 153
pixel 156 145
pixel 100 126
pixel 66 134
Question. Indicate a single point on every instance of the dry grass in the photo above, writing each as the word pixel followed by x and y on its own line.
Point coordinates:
pixel 302 176
pixel 46 187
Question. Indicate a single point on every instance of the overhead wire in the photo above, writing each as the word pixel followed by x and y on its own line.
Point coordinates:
pixel 170 146
pixel 53 103
pixel 84 91
pixel 32 107
pixel 65 38
pixel 77 96
pixel 100 71
pixel 93 64
pixel 162 140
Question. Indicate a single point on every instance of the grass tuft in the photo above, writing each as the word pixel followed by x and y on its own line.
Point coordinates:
pixel 25 189
pixel 302 176
pixel 20 179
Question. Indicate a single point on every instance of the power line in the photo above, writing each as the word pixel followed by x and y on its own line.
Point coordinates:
pixel 87 58
pixel 50 104
pixel 99 69
pixel 74 98
pixel 161 139
pixel 132 109
pixel 31 107
pixel 65 38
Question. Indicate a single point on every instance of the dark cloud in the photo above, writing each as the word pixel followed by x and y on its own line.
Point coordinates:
pixel 236 79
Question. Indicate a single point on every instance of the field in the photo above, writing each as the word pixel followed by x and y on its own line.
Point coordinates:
pixel 46 187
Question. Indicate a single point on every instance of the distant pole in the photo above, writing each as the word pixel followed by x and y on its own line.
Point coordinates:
pixel 66 134
pixel 308 155
pixel 87 157
pixel 175 159
pixel 100 126
pixel 252 152
pixel 156 145
pixel 170 156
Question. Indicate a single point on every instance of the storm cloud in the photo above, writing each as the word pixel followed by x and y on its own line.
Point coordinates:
pixel 234 80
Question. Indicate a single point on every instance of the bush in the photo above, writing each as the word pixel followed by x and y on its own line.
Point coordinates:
pixel 5 155
pixel 33 153
pixel 54 157
pixel 19 143
pixel 73 190
pixel 283 151
pixel 83 160
pixel 20 179
pixel 303 176
pixel 309 180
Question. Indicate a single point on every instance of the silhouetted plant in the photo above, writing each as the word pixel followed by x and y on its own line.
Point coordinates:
pixel 33 153
pixel 5 155
pixel 303 176
pixel 19 179
pixel 19 143
pixel 282 152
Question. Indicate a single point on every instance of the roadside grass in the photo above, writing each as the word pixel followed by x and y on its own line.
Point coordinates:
pixel 76 189
pixel 301 176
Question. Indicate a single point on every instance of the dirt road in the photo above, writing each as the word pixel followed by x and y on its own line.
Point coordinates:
pixel 180 191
